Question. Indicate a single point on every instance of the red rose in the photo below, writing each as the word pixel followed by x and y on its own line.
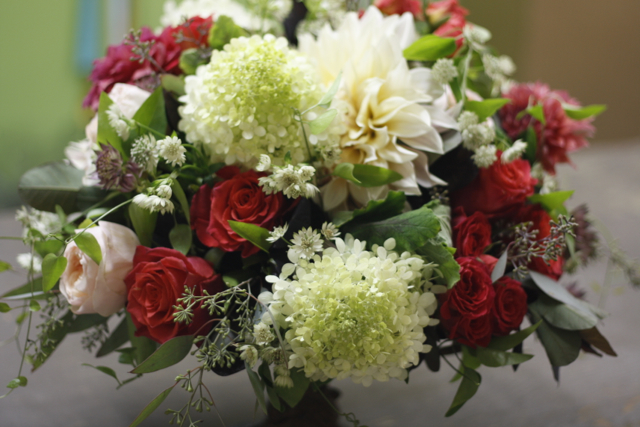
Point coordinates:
pixel 510 305
pixel 541 222
pixel 439 10
pixel 466 309
pixel 498 191
pixel 237 198
pixel 194 34
pixel 398 7
pixel 471 234
pixel 154 285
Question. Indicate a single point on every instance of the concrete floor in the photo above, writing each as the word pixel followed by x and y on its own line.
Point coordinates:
pixel 593 392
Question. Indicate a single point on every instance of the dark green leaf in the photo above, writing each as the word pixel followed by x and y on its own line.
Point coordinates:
pixel 51 246
pixel 180 237
pixel 82 322
pixel 172 83
pixel 560 293
pixel 469 359
pixel 253 233
pixel 294 394
pixel 4 307
pixel 178 193
pixel 273 398
pixel 500 267
pixel 581 113
pixel 595 338
pixel 53 339
pixel 563 316
pixel 26 291
pixel 485 109
pixel 148 410
pixel 532 144
pixel 17 382
pixel 144 223
pixel 562 347
pixel 495 358
pixel 331 93
pixel 117 338
pixel 88 244
pixel 105 370
pixel 510 341
pixel 411 230
pixel 265 374
pixel 106 134
pixel 322 122
pixel 430 48
pixel 223 31
pixel 436 251
pixel 258 387
pixel 52 268
pixel 168 354
pixel 191 59
pixel 152 113
pixel 468 387
pixel 366 175
pixel 375 210
pixel 4 266
pixel 143 346
pixel 51 184
pixel 34 306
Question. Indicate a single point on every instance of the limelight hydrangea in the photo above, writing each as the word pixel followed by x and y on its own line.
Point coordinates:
pixel 241 105
pixel 354 313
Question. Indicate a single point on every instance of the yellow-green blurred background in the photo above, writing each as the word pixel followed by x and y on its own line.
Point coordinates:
pixel 590 48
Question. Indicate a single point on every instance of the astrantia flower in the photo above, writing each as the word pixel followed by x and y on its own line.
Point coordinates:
pixel 306 243
pixel 277 233
pixel 145 152
pixel 241 105
pixel 113 172
pixel 381 101
pixel 172 151
pixel 353 313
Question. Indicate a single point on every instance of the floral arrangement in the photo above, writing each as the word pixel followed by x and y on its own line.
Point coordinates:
pixel 368 194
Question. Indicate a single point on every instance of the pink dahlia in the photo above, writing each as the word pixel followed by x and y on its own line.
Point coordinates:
pixel 559 135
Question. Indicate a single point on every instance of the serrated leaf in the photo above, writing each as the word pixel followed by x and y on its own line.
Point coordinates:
pixel 253 233
pixel 467 389
pixel 443 212
pixel 322 122
pixel 168 354
pixel 144 223
pixel 17 382
pixel 294 394
pixel 551 201
pixel 152 113
pixel 258 387
pixel 411 230
pixel 4 266
pixel 366 175
pixel 52 268
pixel 4 307
pixel 495 358
pixel 562 346
pixel 51 184
pixel 223 31
pixel 117 338
pixel 104 370
pixel 487 108
pixel 510 341
pixel 375 210
pixel 180 237
pixel 435 251
pixel 331 93
pixel 430 48
pixel 581 113
pixel 596 339
pixel 563 316
pixel 500 267
pixel 148 410
pixel 88 244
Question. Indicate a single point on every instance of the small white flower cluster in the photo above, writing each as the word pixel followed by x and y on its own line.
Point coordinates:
pixel 353 313
pixel 514 152
pixel 157 199
pixel 118 121
pixel 498 68
pixel 44 223
pixel 291 180
pixel 443 71
pixel 172 151
pixel 477 137
pixel 259 346
pixel 30 262
pixel 476 36
pixel 144 152
pixel 277 233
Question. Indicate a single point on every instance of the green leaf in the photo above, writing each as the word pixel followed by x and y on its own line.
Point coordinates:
pixel 168 354
pixel 485 109
pixel 437 251
pixel 551 201
pixel 52 340
pixel 265 374
pixel 537 112
pixel 180 237
pixel 25 291
pixel 495 358
pixel 366 175
pixel 191 59
pixel 411 230
pixel 223 31
pixel 510 341
pixel 273 398
pixel 117 338
pixel 322 122
pixel 532 144
pixel 253 233
pixel 172 83
pixel 258 387
pixel 4 307
pixel 500 267
pixel 4 266
pixel 294 394
pixel 34 306
pixel 105 370
pixel 469 359
pixel 443 212
pixel 17 382
pixel 51 184
pixel 468 387
pixel 82 322
pixel 560 293
pixel 595 338
pixel 148 410
pixel 430 48
pixel 106 134
pixel 178 193
pixel 51 246
pixel 562 315
pixel 331 93
pixel 562 346
pixel 52 268
pixel 152 113
pixel 581 113
pixel 88 244
pixel 143 346
pixel 375 210
pixel 144 223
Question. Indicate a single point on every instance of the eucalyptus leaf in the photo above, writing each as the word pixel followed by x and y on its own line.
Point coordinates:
pixel 487 108
pixel 510 341
pixel 500 267
pixel 253 233
pixel 168 354
pixel 562 346
pixel 331 93
pixel 430 48
pixel 180 237
pixel 53 339
pixel 294 394
pixel 82 322
pixel 562 315
pixel 117 338
pixel 27 291
pixel 258 387
pixel 104 370
pixel 596 339
pixel 88 244
pixel 495 358
pixel 581 113
pixel 52 268
pixel 144 223
pixel 148 410
pixel 366 175
pixel 469 359
pixel 467 389
pixel 51 184
pixel 322 122
pixel 375 210
pixel 560 293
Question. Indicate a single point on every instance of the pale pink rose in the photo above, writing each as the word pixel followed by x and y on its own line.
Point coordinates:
pixel 93 288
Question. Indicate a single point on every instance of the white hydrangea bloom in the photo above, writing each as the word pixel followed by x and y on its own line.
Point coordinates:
pixel 172 151
pixel 353 313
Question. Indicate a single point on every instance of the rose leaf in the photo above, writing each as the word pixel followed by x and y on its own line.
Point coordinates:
pixel 253 233
pixel 152 406
pixel 510 341
pixel 495 358
pixel 180 237
pixel 88 244
pixel 168 354
pixel 430 48
pixel 52 268
pixel 468 387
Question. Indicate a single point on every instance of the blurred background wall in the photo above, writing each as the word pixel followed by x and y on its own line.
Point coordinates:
pixel 590 48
